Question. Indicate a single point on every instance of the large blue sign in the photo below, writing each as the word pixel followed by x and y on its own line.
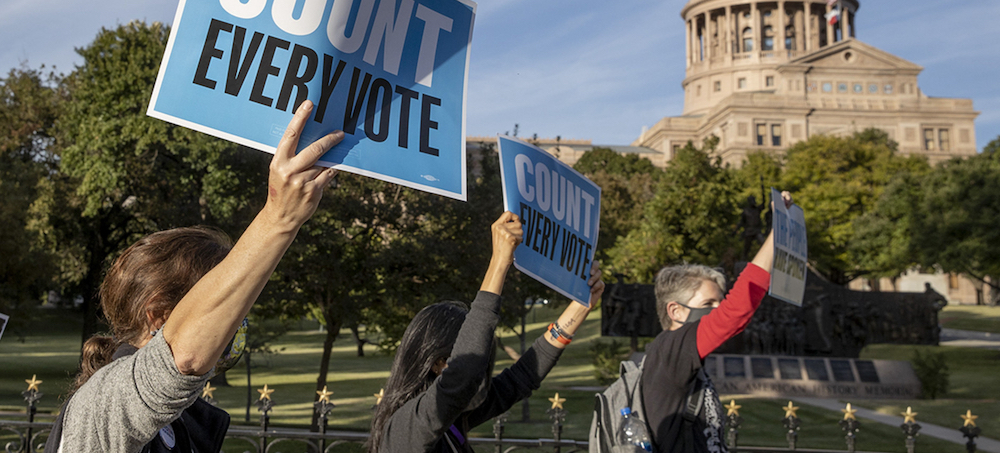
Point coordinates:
pixel 390 73
pixel 560 210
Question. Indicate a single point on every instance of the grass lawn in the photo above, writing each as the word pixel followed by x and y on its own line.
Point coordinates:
pixel 51 353
pixel 972 387
pixel 971 317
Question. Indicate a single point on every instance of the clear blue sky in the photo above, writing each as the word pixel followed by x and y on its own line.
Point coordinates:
pixel 588 69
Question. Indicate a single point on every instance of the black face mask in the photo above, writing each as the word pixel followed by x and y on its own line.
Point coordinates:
pixel 695 313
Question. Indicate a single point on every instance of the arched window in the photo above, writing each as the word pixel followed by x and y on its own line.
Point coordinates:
pixel 790 37
pixel 748 39
pixel 768 43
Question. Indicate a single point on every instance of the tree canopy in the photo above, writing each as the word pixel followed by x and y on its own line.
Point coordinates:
pixel 29 104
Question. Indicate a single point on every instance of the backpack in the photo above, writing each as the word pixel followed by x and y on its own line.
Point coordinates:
pixel 627 392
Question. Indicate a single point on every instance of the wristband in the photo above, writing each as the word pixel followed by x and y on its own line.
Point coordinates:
pixel 559 335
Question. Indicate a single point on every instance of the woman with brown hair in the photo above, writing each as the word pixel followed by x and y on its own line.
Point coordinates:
pixel 174 300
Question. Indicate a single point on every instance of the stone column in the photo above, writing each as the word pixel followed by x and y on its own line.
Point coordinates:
pixel 807 39
pixel 755 18
pixel 728 50
pixel 830 35
pixel 688 43
pixel 799 30
pixel 780 32
pixel 845 17
pixel 707 40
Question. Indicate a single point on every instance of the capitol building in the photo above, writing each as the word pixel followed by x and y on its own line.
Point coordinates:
pixel 764 75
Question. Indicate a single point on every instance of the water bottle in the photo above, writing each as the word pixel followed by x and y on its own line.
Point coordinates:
pixel 633 432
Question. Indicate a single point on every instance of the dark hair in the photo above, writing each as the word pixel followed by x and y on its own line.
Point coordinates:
pixel 152 274
pixel 430 336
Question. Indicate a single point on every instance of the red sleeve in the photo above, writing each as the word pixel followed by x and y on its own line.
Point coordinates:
pixel 735 311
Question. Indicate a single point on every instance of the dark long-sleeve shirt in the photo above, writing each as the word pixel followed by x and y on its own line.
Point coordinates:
pixel 674 358
pixel 422 423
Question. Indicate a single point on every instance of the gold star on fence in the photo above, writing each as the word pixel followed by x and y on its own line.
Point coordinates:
pixel 909 416
pixel 790 410
pixel 265 393
pixel 378 396
pixel 732 408
pixel 969 418
pixel 207 391
pixel 849 413
pixel 557 401
pixel 33 383
pixel 324 396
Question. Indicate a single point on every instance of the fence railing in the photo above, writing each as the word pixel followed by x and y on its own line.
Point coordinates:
pixel 30 435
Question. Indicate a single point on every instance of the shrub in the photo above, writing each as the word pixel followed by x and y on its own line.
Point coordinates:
pixel 932 371
pixel 607 357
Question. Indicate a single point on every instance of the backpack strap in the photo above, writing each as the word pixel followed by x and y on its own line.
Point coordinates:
pixel 692 407
pixel 451 444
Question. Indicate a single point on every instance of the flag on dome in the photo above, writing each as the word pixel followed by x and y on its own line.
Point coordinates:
pixel 833 16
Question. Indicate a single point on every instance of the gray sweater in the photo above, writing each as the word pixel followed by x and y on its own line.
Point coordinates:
pixel 125 404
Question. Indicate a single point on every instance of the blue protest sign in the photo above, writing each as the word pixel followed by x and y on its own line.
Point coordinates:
pixel 391 74
pixel 791 251
pixel 560 210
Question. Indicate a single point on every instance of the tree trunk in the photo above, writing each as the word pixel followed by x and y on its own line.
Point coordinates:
pixel 332 329
pixel 219 380
pixel 357 338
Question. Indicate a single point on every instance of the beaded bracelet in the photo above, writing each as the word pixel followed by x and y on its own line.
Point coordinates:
pixel 559 335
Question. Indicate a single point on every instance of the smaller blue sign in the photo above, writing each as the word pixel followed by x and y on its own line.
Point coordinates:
pixel 560 210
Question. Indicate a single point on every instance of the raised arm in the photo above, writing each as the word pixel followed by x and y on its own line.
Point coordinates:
pixel 507 233
pixel 572 317
pixel 736 310
pixel 204 321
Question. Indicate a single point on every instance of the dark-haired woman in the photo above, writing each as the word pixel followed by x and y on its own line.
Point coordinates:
pixel 174 300
pixel 441 383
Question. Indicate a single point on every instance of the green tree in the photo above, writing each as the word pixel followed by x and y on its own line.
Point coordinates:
pixel 992 147
pixel 29 104
pixel 627 183
pixel 958 215
pixel 691 218
pixel 122 174
pixel 883 237
pixel 836 180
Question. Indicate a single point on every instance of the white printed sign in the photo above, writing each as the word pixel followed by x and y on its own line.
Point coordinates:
pixel 788 271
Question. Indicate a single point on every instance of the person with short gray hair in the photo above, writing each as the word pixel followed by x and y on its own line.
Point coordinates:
pixel 675 283
pixel 681 405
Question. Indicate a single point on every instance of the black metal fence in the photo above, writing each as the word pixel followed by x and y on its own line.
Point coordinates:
pixel 30 435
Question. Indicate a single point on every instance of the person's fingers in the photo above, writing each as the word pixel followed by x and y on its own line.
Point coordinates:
pixel 787 197
pixel 325 177
pixel 311 154
pixel 594 278
pixel 597 288
pixel 310 174
pixel 505 217
pixel 290 141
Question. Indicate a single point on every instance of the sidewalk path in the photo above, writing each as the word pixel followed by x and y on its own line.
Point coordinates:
pixel 970 339
pixel 926 429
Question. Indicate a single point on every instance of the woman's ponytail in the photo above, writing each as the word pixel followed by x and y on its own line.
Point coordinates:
pixel 97 352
